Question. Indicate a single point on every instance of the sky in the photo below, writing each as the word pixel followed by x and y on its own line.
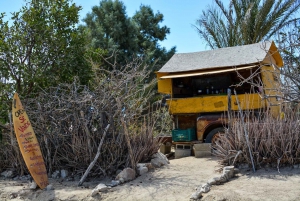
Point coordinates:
pixel 179 16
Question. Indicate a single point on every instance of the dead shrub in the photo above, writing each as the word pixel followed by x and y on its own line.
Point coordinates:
pixel 69 121
pixel 272 141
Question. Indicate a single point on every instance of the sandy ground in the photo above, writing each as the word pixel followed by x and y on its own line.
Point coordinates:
pixel 177 181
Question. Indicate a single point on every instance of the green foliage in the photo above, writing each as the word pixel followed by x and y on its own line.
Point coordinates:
pixel 111 29
pixel 128 38
pixel 41 47
pixel 244 21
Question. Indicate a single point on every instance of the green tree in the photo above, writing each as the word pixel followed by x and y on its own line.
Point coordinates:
pixel 149 34
pixel 138 37
pixel 244 21
pixel 111 29
pixel 41 47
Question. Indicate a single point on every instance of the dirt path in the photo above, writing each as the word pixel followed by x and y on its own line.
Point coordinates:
pixel 177 181
pixel 265 184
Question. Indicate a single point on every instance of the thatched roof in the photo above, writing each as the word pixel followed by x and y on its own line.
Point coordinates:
pixel 223 57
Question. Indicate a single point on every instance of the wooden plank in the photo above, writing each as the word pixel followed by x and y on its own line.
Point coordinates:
pixel 28 144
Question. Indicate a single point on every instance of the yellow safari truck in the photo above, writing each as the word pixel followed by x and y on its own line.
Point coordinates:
pixel 197 84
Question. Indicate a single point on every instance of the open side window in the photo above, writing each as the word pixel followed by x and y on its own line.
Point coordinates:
pixel 216 84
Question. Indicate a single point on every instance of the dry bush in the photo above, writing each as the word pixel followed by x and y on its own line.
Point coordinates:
pixel 273 141
pixel 259 136
pixel 69 121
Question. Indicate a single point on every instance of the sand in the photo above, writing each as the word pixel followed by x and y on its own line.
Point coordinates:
pixel 177 181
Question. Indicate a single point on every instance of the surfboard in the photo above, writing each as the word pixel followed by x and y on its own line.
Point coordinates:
pixel 28 143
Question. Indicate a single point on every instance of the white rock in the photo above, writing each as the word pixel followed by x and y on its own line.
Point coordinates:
pixel 228 171
pixel 218 180
pixel 139 165
pixel 33 185
pixel 99 188
pixel 196 195
pixel 142 170
pixel 94 192
pixel 115 183
pixel 121 180
pixel 213 181
pixel 127 174
pixel 205 188
pixel 64 173
pixel 224 178
pixel 159 160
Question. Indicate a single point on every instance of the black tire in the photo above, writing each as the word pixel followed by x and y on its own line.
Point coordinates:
pixel 211 134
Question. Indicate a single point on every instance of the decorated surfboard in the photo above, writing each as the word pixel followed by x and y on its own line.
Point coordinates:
pixel 28 144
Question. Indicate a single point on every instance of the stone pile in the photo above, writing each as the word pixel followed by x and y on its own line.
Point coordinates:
pixel 228 173
pixel 129 174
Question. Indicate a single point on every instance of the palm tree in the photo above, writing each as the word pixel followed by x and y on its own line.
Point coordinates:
pixel 245 21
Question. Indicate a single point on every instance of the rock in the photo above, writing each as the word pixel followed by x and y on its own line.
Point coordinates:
pixel 159 160
pixel 228 173
pixel 115 183
pixel 7 174
pixel 94 192
pixel 139 165
pixel 64 173
pixel 121 180
pixel 127 174
pixel 196 195
pixel 142 170
pixel 99 188
pixel 229 170
pixel 33 185
pixel 55 174
pixel 224 178
pixel 49 187
pixel 213 181
pixel 205 188
pixel 202 189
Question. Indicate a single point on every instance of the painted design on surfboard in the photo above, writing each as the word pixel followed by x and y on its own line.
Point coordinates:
pixel 28 144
